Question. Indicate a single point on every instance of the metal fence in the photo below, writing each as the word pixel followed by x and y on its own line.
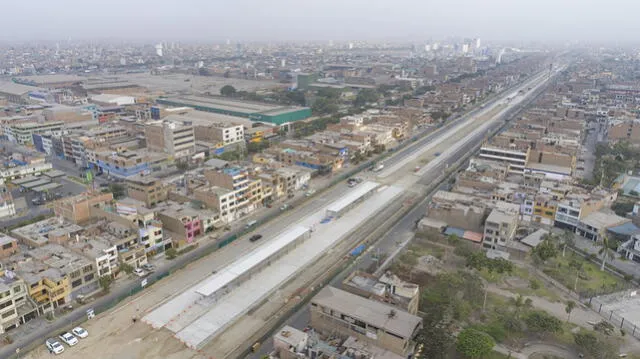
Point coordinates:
pixel 600 305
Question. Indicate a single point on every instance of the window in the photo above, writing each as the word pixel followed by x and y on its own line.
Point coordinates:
pixel 17 289
pixel 7 246
pixel 89 277
pixel 76 283
pixel 6 304
pixel 9 313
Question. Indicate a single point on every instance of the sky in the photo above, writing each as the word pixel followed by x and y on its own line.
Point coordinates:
pixel 340 20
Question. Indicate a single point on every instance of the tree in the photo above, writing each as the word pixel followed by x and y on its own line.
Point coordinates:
pixel 324 106
pixel 474 344
pixel 228 91
pixel 365 96
pixel 605 250
pixel 543 323
pixel 118 190
pixel 127 268
pixel 105 282
pixel 595 345
pixel 171 253
pixel 569 308
pixel 520 304
pixel 566 239
pixel 545 250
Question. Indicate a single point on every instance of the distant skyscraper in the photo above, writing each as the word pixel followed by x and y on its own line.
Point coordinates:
pixel 123 61
pixel 350 45
pixel 283 63
pixel 465 48
pixel 159 50
pixel 477 43
pixel 427 48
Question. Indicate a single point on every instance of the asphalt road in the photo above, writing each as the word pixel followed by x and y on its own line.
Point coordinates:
pixel 401 232
pixel 309 207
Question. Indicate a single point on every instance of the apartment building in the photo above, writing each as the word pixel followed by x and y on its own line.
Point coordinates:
pixel 387 289
pixel 174 138
pixel 224 201
pixel 16 307
pixel 124 164
pixel 150 228
pixel 147 189
pixel 33 168
pixel 22 133
pixel 8 246
pixel 99 249
pixel 78 271
pixel 516 159
pixel 334 311
pixel 501 225
pixel 7 206
pixel 77 209
pixel 628 130
pixel 48 287
pixel 182 223
pixel 579 204
pixel 247 191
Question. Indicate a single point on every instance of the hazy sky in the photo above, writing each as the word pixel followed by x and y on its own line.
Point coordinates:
pixel 245 20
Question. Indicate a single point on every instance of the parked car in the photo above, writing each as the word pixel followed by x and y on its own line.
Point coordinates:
pixel 284 207
pixel 68 338
pixel 255 237
pixel 310 192
pixel 148 267
pixel 54 346
pixel 139 272
pixel 80 332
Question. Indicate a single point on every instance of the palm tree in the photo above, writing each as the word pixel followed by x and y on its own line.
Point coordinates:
pixel 567 239
pixel 520 303
pixel 569 308
pixel 605 251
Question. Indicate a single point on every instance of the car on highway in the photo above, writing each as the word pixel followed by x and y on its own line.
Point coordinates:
pixel 54 346
pixel 437 154
pixel 255 237
pixel 148 267
pixel 310 192
pixel 139 272
pixel 284 207
pixel 68 338
pixel 80 332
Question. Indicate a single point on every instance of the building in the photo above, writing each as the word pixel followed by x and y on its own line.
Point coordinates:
pixel 576 206
pixel 16 306
pixel 220 133
pixel 7 206
pixel 501 225
pixel 387 289
pixel 16 93
pixel 174 138
pixel 51 230
pixel 112 100
pixel 516 159
pixel 77 209
pixel 624 131
pixel 75 269
pixel 289 342
pixel 150 228
pixel 595 224
pixel 8 246
pixel 258 112
pixel 29 169
pixel 334 311
pixel 22 133
pixel 124 164
pixel 147 189
pixel 182 223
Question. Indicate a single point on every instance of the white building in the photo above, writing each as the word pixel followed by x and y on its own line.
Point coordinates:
pixel 516 159
pixel 113 100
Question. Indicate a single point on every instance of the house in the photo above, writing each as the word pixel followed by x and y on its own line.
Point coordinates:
pixel 335 311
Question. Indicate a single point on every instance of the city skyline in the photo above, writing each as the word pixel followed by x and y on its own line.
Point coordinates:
pixel 283 20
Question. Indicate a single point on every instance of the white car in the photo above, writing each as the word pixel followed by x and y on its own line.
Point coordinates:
pixel 139 272
pixel 54 346
pixel 68 338
pixel 80 332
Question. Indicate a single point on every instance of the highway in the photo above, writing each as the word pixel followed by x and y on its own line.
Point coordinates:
pixel 198 269
pixel 401 233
